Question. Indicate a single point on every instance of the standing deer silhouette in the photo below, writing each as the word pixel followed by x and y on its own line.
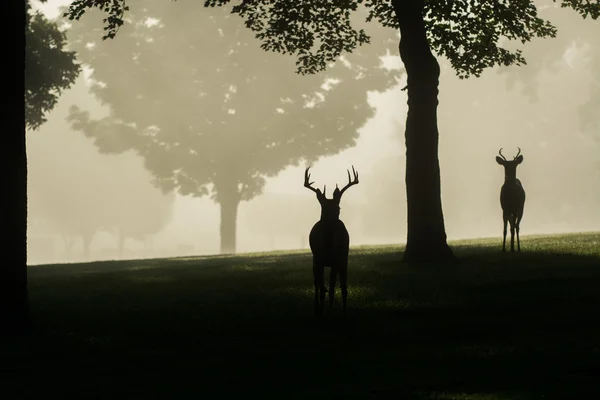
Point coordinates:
pixel 512 198
pixel 329 243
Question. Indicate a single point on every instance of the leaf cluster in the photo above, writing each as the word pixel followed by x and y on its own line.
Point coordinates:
pixel 49 67
pixel 470 33
pixel 205 106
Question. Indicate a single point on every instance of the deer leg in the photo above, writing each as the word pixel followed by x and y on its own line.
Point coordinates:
pixel 344 284
pixel 505 217
pixel 332 279
pixel 518 241
pixel 517 224
pixel 319 294
pixel 512 235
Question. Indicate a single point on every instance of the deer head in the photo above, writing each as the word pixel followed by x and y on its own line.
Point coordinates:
pixel 510 167
pixel 330 208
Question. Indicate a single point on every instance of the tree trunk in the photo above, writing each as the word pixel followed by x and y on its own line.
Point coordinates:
pixel 14 305
pixel 426 237
pixel 229 209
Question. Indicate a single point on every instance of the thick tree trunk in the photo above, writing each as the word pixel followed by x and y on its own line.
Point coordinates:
pixel 426 237
pixel 14 305
pixel 229 209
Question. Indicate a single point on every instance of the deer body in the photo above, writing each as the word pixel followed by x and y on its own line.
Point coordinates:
pixel 512 199
pixel 329 243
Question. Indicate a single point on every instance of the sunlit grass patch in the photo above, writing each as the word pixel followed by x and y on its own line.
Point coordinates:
pixel 151 278
pixel 250 267
pixel 139 267
pixel 298 275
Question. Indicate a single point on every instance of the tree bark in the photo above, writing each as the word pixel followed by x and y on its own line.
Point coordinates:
pixel 14 304
pixel 426 237
pixel 229 209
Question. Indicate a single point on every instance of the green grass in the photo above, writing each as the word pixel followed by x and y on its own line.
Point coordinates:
pixel 496 326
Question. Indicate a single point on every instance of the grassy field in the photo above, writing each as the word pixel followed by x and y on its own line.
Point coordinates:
pixel 496 326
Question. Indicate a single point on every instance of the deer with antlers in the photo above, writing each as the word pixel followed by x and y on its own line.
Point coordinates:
pixel 329 243
pixel 512 198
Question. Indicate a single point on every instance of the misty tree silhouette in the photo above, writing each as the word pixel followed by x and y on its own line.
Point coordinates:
pixel 512 198
pixel 329 243
pixel 209 111
pixel 79 192
pixel 138 209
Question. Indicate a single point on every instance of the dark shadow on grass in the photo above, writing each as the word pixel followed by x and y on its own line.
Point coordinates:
pixel 522 326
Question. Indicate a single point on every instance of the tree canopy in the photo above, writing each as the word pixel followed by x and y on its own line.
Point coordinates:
pixel 49 67
pixel 472 34
pixel 209 111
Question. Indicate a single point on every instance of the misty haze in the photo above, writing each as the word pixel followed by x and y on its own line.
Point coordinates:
pixel 303 199
pixel 87 205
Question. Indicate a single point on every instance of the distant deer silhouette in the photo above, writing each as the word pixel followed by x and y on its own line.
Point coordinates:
pixel 512 198
pixel 329 243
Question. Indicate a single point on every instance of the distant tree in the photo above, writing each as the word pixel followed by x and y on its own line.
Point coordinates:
pixel 43 70
pixel 469 33
pixel 79 192
pixel 212 114
pixel 140 210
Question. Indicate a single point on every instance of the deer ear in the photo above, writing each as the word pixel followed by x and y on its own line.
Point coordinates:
pixel 320 196
pixel 336 193
pixel 519 159
pixel 499 160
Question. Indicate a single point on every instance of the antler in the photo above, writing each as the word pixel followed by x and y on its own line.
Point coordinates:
pixel 501 155
pixel 350 181
pixel 308 184
pixel 518 153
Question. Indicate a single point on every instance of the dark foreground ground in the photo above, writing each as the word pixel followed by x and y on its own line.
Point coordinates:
pixel 497 326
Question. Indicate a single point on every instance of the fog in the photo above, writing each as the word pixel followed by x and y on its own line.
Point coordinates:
pixel 78 195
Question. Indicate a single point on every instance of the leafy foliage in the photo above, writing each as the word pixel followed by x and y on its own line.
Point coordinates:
pixel 470 33
pixel 192 107
pixel 49 70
